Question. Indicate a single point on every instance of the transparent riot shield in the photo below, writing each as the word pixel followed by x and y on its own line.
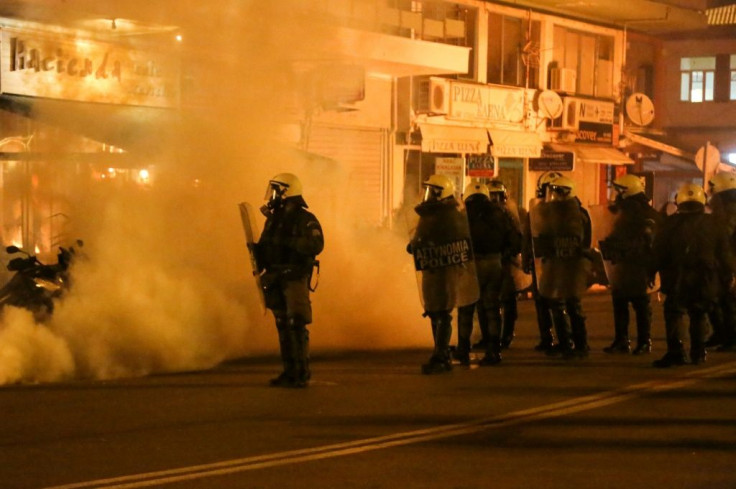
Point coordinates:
pixel 443 260
pixel 514 269
pixel 624 246
pixel 247 217
pixel 557 231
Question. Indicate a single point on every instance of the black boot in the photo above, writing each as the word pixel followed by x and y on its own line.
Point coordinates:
pixel 544 323
pixel 286 377
pixel 303 371
pixel 619 345
pixel 440 361
pixel 464 330
pixel 643 310
pixel 510 315
pixel 643 347
pixel 493 353
pixel 697 353
pixel 674 357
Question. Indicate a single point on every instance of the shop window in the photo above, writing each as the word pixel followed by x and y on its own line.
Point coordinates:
pixel 582 63
pixel 513 51
pixel 697 79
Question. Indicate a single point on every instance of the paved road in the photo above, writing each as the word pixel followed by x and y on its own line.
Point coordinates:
pixel 370 420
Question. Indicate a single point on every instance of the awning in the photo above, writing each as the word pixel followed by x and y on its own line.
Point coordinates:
pixel 143 130
pixel 659 145
pixel 453 139
pixel 515 144
pixel 602 155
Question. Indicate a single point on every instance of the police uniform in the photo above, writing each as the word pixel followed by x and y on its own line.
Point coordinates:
pixel 627 251
pixel 494 238
pixel 561 233
pixel 723 317
pixel 692 255
pixel 286 251
pixel 443 259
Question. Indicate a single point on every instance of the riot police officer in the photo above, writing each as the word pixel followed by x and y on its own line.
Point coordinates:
pixel 511 261
pixel 443 258
pixel 561 234
pixel 627 252
pixel 693 258
pixel 722 189
pixel 493 238
pixel 544 319
pixel 285 253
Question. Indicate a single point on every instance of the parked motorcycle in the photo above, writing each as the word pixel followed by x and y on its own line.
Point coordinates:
pixel 35 285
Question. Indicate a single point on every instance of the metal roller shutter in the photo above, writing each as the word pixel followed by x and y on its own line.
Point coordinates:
pixel 361 154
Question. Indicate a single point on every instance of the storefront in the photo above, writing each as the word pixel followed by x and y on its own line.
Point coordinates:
pixel 473 131
pixel 71 110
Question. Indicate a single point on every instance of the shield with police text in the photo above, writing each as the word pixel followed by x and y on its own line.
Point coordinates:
pixel 558 232
pixel 624 239
pixel 443 257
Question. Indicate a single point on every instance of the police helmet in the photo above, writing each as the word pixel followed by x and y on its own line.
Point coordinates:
pixel 544 180
pixel 475 188
pixel 628 185
pixel 283 186
pixel 438 187
pixel 690 192
pixel 721 182
pixel 497 190
pixel 561 188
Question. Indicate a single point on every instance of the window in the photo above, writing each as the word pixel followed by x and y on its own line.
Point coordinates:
pixel 588 56
pixel 732 91
pixel 513 51
pixel 697 79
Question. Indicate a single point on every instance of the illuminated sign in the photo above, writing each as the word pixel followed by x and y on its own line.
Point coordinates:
pixel 473 102
pixel 62 67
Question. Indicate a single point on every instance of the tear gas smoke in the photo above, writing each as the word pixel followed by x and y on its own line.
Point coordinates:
pixel 166 285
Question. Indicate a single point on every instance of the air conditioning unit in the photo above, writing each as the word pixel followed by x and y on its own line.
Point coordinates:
pixel 569 120
pixel 563 80
pixel 431 96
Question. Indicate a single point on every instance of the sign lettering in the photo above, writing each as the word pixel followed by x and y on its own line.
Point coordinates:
pixel 440 256
pixel 63 67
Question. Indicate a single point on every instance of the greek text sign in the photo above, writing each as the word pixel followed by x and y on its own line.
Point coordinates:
pixel 63 67
pixel 444 255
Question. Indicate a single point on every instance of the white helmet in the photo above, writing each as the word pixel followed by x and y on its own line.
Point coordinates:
pixel 561 188
pixel 721 182
pixel 544 180
pixel 283 186
pixel 438 187
pixel 690 192
pixel 628 185
pixel 475 188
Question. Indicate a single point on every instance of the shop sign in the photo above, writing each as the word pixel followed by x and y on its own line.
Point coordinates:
pixel 481 166
pixel 553 161
pixel 63 67
pixel 595 121
pixel 453 168
pixel 475 102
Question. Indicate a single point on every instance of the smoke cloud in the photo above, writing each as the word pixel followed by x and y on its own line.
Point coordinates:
pixel 164 284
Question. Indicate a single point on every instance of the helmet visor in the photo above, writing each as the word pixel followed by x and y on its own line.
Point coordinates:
pixel 274 191
pixel 558 192
pixel 432 193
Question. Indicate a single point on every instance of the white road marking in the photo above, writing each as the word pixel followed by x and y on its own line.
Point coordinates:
pixel 547 411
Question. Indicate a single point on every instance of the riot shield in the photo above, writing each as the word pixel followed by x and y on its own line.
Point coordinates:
pixel 249 225
pixel 557 232
pixel 443 260
pixel 514 269
pixel 624 248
